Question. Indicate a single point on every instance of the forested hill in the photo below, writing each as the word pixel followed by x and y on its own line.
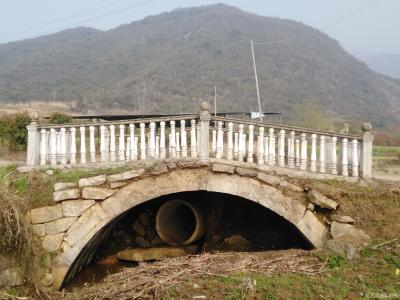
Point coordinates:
pixel 170 62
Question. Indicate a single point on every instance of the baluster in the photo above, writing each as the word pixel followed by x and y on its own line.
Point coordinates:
pixel 107 144
pixel 322 154
pixel 220 140
pixel 251 144
pixel 135 147
pixel 193 142
pixel 297 153
pixel 157 146
pixel 102 143
pixel 271 148
pixel 142 141
pixel 240 143
pixel 303 152
pixel 178 146
pixel 162 140
pixel 53 146
pixel 291 149
pixel 83 145
pixel 313 163
pixel 236 145
pixel 63 146
pixel 345 171
pixel 92 146
pixel 172 141
pixel 48 145
pixel 121 143
pixel 128 149
pixel 229 153
pixel 266 149
pixel 133 151
pixel 112 144
pixel 43 146
pixel 244 144
pixel 333 156
pixel 58 148
pixel 183 139
pixel 281 148
pixel 198 132
pixel 260 148
pixel 214 142
pixel 152 144
pixel 72 150
pixel 354 146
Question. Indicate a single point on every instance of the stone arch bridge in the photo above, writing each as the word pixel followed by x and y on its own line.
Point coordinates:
pixel 204 153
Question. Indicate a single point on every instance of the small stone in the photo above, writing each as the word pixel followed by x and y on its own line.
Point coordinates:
pixel 75 208
pixel 158 169
pixel 139 228
pixel 311 206
pixel 343 248
pixel 66 195
pixel 269 179
pixel 144 219
pixel 39 229
pixel 126 175
pixel 92 181
pixel 221 168
pixel 156 253
pixel 343 219
pixel 320 200
pixel 63 186
pixel 11 277
pixel 246 172
pixel 60 225
pixel 52 242
pixel 142 242
pixel 46 214
pixel 117 184
pixel 171 165
pixel 47 280
pixel 236 243
pixel 196 286
pixel 97 193
pixel 50 172
pixel 294 188
pixel 357 235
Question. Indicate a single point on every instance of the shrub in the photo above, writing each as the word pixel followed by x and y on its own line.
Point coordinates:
pixel 59 118
pixel 13 132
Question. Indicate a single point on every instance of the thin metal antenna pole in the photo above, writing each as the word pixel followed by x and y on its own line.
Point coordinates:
pixel 256 77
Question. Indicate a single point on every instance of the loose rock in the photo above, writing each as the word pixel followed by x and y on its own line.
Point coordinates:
pixel 343 219
pixel 246 172
pixel 139 228
pixel 321 200
pixel 356 235
pixel 97 193
pixel 125 176
pixel 92 181
pixel 66 195
pixel 221 168
pixel 269 179
pixel 63 186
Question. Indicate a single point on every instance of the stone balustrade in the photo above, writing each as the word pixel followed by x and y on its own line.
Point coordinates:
pixel 201 136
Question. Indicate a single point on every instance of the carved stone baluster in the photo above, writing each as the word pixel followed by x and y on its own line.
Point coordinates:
pixel 244 144
pixel 313 163
pixel 128 149
pixel 193 139
pixel 152 144
pixel 229 152
pixel 260 146
pixel 92 146
pixel 291 149
pixel 53 146
pixel 355 164
pixel 63 146
pixel 236 146
pixel 183 139
pixel 43 147
pixel 266 149
pixel 58 147
pixel 102 143
pixel 112 144
pixel 220 140
pixel 162 140
pixel 250 147
pixel 333 156
pixel 240 143
pixel 303 152
pixel 157 146
pixel 322 154
pixel 271 148
pixel 133 151
pixel 345 170
pixel 172 141
pixel 83 144
pixel 143 141
pixel 281 158
pixel 297 153
pixel 72 150
pixel 178 146
pixel 135 147
pixel 198 134
pixel 214 142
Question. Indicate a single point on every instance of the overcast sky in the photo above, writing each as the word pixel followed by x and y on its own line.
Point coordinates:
pixel 374 29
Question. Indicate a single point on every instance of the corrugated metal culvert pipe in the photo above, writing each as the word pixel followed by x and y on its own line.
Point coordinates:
pixel 179 223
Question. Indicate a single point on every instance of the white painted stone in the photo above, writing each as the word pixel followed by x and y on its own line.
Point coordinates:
pixel 46 214
pixel 321 200
pixel 92 181
pixel 313 229
pixel 74 208
pixel 96 193
pixel 223 168
pixel 66 195
pixel 63 186
pixel 52 243
pixel 125 175
pixel 60 225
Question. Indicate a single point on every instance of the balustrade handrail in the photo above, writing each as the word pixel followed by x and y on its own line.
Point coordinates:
pixel 122 122
pixel 286 127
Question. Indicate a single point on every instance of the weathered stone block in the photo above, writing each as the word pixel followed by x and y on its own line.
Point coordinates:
pixel 92 181
pixel 96 193
pixel 221 168
pixel 246 172
pixel 125 175
pixel 59 186
pixel 343 219
pixel 60 225
pixel 158 169
pixel 341 229
pixel 117 184
pixel 269 179
pixel 321 200
pixel 52 242
pixel 74 208
pixel 39 229
pixel 311 227
pixel 342 247
pixel 46 214
pixel 294 188
pixel 66 195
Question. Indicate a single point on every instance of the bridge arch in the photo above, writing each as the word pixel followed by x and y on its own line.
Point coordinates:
pixel 91 227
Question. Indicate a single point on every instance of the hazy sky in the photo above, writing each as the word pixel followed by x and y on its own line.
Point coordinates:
pixel 375 29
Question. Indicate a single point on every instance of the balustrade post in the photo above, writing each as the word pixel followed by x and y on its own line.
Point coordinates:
pixel 266 149
pixel 345 171
pixel 354 158
pixel 297 153
pixel 333 156
pixel 281 148
pixel 193 142
pixel 162 140
pixel 152 144
pixel 32 151
pixel 291 149
pixel 366 151
pixel 220 140
pixel 322 154
pixel 250 147
pixel 133 151
pixel 157 146
pixel 121 143
pixel 112 144
pixel 204 140
pixel 63 146
pixel 214 142
pixel 172 141
pixel 260 148
pixel 58 151
pixel 107 144
pixel 183 139
pixel 236 145
pixel 303 152
pixel 313 162
pixel 102 143
pixel 43 147
pixel 271 148
pixel 53 146
pixel 128 149
pixel 178 146
pixel 142 141
pixel 72 150
pixel 240 143
pixel 92 145
pixel 83 145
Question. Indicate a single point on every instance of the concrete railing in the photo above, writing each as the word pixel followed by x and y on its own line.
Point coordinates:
pixel 201 136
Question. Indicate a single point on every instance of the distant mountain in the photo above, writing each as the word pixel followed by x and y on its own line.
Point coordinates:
pixel 170 62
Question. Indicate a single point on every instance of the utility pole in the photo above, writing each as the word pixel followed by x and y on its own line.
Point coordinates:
pixel 256 77
pixel 215 100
